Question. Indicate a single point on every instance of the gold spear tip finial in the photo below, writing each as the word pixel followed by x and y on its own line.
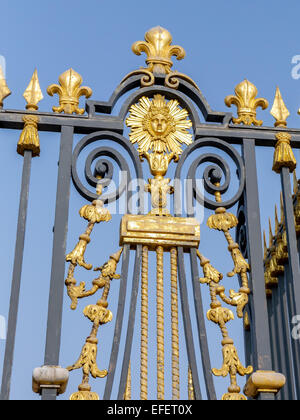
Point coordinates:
pixel 157 46
pixel 276 221
pixel 271 237
pixel 4 90
pixel 279 111
pixel 33 94
pixel 265 246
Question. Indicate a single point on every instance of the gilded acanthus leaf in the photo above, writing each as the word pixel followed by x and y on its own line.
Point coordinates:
pixel 87 360
pixel 211 274
pixel 240 264
pixel 220 315
pixel 231 363
pixel 222 220
pixel 95 213
pixel 98 314
pixel 84 396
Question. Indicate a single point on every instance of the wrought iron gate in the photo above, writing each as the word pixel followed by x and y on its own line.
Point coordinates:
pixel 169 121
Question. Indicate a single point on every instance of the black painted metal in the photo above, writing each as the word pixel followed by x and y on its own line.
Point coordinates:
pixel 119 323
pixel 290 384
pixel 294 278
pixel 260 325
pixel 187 324
pixel 205 356
pixel 285 342
pixel 55 308
pixel 268 343
pixel 131 322
pixel 278 342
pixel 113 137
pixel 16 279
pixel 221 165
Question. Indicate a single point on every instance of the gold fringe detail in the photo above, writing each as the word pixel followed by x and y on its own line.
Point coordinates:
pixel 283 155
pixel 29 138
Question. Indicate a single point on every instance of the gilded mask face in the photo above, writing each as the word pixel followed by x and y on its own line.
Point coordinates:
pixel 159 124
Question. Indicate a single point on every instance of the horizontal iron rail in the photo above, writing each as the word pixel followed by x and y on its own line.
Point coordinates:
pixel 84 124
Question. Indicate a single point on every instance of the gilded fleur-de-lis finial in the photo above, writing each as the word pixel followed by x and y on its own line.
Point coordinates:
pixel 4 90
pixel 283 155
pixel 29 139
pixel 69 91
pixel 157 46
pixel 33 94
pixel 246 103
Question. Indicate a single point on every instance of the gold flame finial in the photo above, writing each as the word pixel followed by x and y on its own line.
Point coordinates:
pixel 69 91
pixel 279 111
pixel 246 103
pixel 4 90
pixel 33 94
pixel 29 138
pixel 157 46
pixel 283 154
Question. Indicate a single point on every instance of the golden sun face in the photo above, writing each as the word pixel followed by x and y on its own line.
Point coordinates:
pixel 158 125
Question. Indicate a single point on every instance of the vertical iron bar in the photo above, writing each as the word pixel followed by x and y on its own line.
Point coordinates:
pixel 288 318
pixel 187 324
pixel 294 279
pixel 272 332
pixel 260 325
pixel 210 388
pixel 290 386
pixel 55 307
pixel 16 278
pixel 278 342
pixel 131 322
pixel 119 323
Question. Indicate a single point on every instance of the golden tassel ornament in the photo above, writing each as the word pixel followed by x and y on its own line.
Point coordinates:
pixel 283 155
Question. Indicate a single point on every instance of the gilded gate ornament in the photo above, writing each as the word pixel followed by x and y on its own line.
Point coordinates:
pixel 224 221
pixel 159 127
pixel 221 316
pixel 283 155
pixel 246 103
pixel 69 91
pixel 157 46
pixel 29 138
pixel 159 50
pixel 98 314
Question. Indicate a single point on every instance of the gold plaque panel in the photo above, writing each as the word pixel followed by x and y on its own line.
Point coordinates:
pixel 163 231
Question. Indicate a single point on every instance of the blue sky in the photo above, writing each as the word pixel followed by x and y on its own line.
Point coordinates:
pixel 225 42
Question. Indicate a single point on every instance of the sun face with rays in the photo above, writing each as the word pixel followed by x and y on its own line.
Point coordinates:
pixel 158 125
